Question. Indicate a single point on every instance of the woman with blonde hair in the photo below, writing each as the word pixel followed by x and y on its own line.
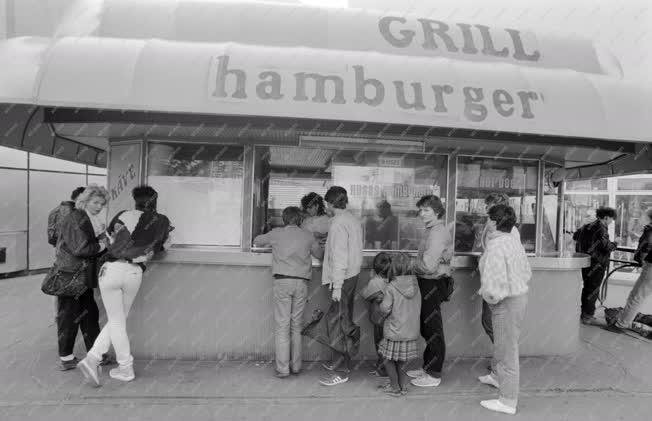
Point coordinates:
pixel 80 242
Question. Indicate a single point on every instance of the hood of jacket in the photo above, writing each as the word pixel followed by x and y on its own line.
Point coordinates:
pixel 406 285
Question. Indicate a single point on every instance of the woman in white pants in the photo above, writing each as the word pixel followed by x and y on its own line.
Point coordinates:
pixel 135 236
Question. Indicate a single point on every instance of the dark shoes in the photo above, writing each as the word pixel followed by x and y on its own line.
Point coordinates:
pixel 68 365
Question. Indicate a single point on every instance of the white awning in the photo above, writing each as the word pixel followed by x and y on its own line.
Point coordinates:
pixel 236 79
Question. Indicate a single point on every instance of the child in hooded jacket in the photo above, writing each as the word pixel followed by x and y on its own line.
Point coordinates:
pixel 402 305
pixel 373 294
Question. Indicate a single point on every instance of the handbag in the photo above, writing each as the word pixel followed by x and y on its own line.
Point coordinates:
pixel 66 283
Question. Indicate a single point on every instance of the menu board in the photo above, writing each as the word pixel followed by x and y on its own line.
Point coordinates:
pixel 366 186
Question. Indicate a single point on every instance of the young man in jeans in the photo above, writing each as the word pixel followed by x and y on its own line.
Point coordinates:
pixel 342 262
pixel 593 239
pixel 292 270
pixel 432 266
pixel 643 286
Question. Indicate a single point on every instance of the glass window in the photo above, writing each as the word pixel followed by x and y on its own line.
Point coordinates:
pixel 42 162
pixel 629 223
pixel 383 188
pixel 13 158
pixel 550 212
pixel 598 184
pixel 97 170
pixel 200 189
pixel 476 179
pixel 13 190
pixel 579 209
pixel 635 183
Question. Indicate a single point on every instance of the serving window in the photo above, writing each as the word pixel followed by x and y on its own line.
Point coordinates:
pixel 479 177
pixel 383 188
pixel 200 189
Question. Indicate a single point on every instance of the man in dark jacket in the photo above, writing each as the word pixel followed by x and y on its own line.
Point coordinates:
pixel 593 239
pixel 56 216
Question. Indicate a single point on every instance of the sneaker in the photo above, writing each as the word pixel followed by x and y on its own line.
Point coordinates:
pixel 415 374
pixel 90 370
pixel 389 390
pixel 123 373
pixel 282 375
pixel 334 380
pixel 489 380
pixel 68 365
pixel 498 406
pixel 426 381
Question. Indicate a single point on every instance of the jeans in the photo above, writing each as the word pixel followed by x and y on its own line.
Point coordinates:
pixel 336 328
pixel 592 277
pixel 74 314
pixel 642 289
pixel 487 325
pixel 119 283
pixel 289 302
pixel 432 326
pixel 507 318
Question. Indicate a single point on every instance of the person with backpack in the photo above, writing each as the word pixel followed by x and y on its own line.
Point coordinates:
pixel 593 239
pixel 56 216
pixel 643 286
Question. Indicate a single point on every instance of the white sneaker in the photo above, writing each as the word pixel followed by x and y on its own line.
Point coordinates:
pixel 415 374
pixel 490 380
pixel 123 373
pixel 498 406
pixel 91 370
pixel 426 381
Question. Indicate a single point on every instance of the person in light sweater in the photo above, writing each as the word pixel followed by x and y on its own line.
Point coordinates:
pixel 504 276
pixel 489 201
pixel 340 270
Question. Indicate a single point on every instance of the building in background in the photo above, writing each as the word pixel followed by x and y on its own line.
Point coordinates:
pixel 31 185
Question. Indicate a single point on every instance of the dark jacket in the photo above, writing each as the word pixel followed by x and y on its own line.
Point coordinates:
pixel 402 304
pixel 136 233
pixel 77 243
pixel 643 251
pixel 593 239
pixel 55 219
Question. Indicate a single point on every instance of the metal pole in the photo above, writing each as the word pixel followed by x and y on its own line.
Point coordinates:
pixel 538 243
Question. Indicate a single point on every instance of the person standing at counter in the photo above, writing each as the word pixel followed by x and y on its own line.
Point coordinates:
pixel 342 263
pixel 643 286
pixel 504 276
pixel 78 244
pixel 291 270
pixel 134 235
pixel 432 267
pixel 317 221
pixel 490 201
pixel 593 239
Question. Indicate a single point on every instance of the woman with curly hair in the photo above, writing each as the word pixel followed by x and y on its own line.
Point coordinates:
pixel 79 242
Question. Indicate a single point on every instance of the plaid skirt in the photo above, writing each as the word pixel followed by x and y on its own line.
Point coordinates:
pixel 398 350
